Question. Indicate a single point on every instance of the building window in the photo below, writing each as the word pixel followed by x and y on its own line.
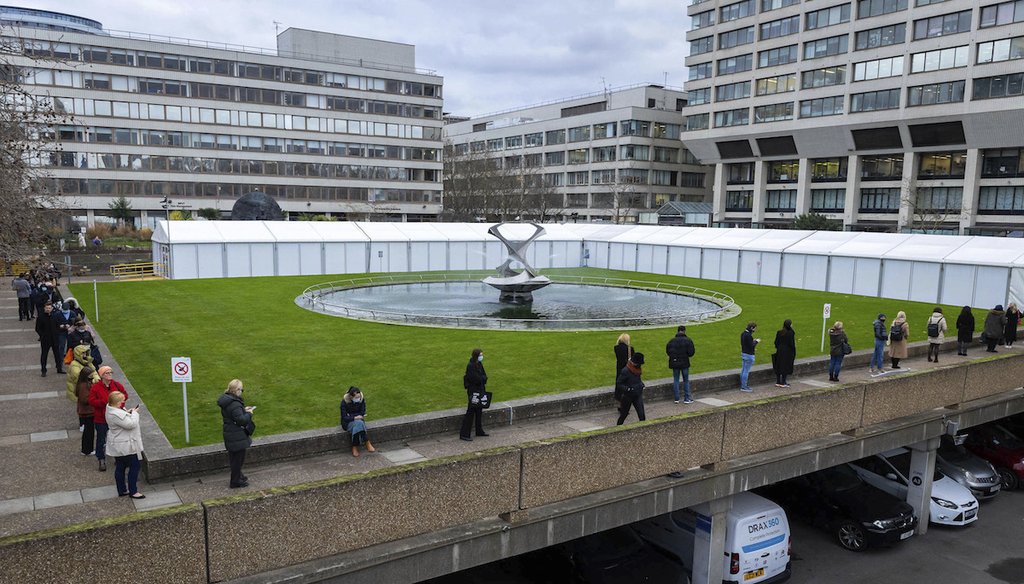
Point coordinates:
pixel 576 200
pixel 828 17
pixel 735 38
pixel 881 167
pixel 579 156
pixel 939 199
pixel 823 77
pixel 702 20
pixel 699 71
pixel 894 34
pixel 701 46
pixel 635 128
pixel 602 177
pixel 823 106
pixel 553 137
pixel 1002 13
pixel 668 155
pixel 699 96
pixel 736 117
pixel 579 134
pixel 828 169
pixel 780 28
pixel 946 24
pixel 936 93
pixel 768 5
pixel 920 3
pixel 739 173
pixel 665 131
pixel 513 142
pixel 697 122
pixel 1001 50
pixel 605 154
pixel 777 84
pixel 735 64
pixel 828 200
pixel 693 180
pixel 738 10
pixel 778 56
pixel 739 201
pixel 1001 201
pixel 780 201
pixel 495 144
pixel 664 178
pixel 998 86
pixel 869 8
pixel 782 171
pixel 878 69
pixel 533 140
pixel 554 158
pixel 606 130
pixel 1000 162
pixel 950 58
pixel 576 179
pixel 880 200
pixel 942 165
pixel 634 152
pixel 732 91
pixel 875 100
pixel 633 176
pixel 775 112
pixel 826 47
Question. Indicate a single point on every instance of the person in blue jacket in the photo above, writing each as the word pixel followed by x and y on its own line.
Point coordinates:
pixel 353 416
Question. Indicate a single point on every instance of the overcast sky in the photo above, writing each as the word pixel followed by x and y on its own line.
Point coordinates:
pixel 493 54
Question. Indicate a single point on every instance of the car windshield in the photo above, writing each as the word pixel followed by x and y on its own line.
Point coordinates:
pixel 1008 440
pixel 840 478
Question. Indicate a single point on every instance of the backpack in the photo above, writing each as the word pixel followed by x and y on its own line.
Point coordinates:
pixel 933 328
pixel 896 332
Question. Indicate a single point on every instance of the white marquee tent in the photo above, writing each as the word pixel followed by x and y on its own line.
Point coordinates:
pixel 976 271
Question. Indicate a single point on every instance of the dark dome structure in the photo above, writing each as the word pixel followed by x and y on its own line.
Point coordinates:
pixel 256 206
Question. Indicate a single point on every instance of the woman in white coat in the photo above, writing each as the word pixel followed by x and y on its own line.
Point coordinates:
pixel 124 443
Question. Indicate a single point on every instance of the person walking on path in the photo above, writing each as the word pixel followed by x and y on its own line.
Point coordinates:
pixel 747 346
pixel 125 445
pixel 995 327
pixel 238 428
pixel 24 291
pixel 99 397
pixel 881 338
pixel 964 330
pixel 46 329
pixel 838 344
pixel 85 411
pixel 630 389
pixel 898 333
pixel 623 351
pixel 936 333
pixel 1012 318
pixel 475 381
pixel 353 415
pixel 785 353
pixel 679 351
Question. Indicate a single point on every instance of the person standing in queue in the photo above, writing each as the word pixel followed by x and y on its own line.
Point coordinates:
pixel 785 353
pixel 838 344
pixel 238 429
pixel 898 334
pixel 995 327
pixel 964 330
pixel 630 388
pixel 881 339
pixel 475 381
pixel 99 397
pixel 679 351
pixel 623 351
pixel 748 344
pixel 46 330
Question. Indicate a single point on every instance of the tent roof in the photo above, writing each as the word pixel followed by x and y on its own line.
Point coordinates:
pixel 459 232
pixel 665 235
pixel 242 231
pixel 383 231
pixel 989 251
pixel 821 242
pixel 702 236
pixel 921 247
pixel 337 231
pixel 641 233
pixel 187 232
pixel 870 245
pixel 597 231
pixel 735 238
pixel 777 240
pixel 421 231
pixel 293 231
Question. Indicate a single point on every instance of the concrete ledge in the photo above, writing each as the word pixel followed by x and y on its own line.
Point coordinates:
pixel 256 532
pixel 994 375
pixel 168 545
pixel 897 396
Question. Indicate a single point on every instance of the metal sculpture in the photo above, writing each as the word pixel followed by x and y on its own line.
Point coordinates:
pixel 516 287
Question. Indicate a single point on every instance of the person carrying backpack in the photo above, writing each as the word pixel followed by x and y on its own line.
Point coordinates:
pixel 898 333
pixel 936 333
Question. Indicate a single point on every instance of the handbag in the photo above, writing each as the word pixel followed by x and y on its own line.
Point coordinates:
pixel 250 428
pixel 847 349
pixel 480 399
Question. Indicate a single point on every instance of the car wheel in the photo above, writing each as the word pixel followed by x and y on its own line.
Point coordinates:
pixel 1008 478
pixel 851 536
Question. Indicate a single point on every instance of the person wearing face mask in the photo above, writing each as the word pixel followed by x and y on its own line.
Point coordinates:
pixel 475 381
pixel 80 335
pixel 748 344
pixel 353 413
pixel 238 427
pixel 99 397
pixel 46 329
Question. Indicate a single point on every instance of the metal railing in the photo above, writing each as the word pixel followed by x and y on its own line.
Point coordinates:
pixel 313 297
pixel 134 271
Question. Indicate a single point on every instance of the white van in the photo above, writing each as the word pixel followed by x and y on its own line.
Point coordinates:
pixel 757 538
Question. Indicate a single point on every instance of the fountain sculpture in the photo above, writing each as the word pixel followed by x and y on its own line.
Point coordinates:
pixel 516 287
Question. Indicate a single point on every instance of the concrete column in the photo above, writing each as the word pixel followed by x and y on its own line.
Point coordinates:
pixel 919 491
pixel 760 185
pixel 709 555
pixel 90 218
pixel 718 196
pixel 972 183
pixel 908 190
pixel 852 200
pixel 803 188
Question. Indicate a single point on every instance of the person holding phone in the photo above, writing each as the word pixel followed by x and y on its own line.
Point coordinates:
pixel 99 396
pixel 124 443
pixel 238 427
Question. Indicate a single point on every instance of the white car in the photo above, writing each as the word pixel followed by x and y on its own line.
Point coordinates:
pixel 952 503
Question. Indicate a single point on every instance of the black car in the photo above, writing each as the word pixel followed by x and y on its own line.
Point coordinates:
pixel 857 514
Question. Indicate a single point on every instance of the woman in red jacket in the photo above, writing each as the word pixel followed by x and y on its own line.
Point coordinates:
pixel 99 395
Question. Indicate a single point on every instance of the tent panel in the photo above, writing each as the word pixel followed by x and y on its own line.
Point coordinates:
pixel 711 265
pixel 357 258
pixel 793 270
pixel 184 260
pixel 1016 286
pixel 262 256
pixel 750 267
pixel 288 259
pixel 865 278
pixel 841 275
pixel 644 258
pixel 209 260
pixel 990 287
pixel 676 260
pixel 771 266
pixel 693 266
pixel 237 255
pixel 958 285
pixel 310 258
pixel 815 272
pixel 334 258
pixel 730 265
pixel 924 281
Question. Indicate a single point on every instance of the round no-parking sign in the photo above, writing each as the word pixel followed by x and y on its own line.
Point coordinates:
pixel 181 369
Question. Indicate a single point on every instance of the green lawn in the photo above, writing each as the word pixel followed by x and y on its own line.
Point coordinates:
pixel 296 364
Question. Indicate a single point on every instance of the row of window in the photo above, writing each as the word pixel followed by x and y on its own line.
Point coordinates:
pixel 212 91
pixel 931 200
pixel 583 156
pixel 668 178
pixel 577 134
pixel 151 60
pixel 200 115
pixel 132 188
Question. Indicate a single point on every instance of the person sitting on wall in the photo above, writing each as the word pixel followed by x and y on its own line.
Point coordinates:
pixel 353 413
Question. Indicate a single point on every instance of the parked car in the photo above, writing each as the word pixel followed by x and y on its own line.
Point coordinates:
pixel 858 515
pixel 973 472
pixel 611 557
pixel 1002 448
pixel 951 502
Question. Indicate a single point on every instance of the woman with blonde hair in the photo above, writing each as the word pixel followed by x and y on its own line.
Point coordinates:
pixel 238 427
pixel 838 345
pixel 623 351
pixel 124 443
pixel 898 333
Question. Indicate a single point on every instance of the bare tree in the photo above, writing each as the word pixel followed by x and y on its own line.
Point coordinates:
pixel 28 137
pixel 931 211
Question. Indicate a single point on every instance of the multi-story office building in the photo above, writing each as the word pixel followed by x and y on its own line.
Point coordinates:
pixel 885 114
pixel 607 156
pixel 326 123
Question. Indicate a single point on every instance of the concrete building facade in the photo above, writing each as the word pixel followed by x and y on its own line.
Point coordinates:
pixel 882 114
pixel 325 124
pixel 609 155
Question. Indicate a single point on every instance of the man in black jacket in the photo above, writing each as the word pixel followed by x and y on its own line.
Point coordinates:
pixel 679 351
pixel 629 389
pixel 747 346
pixel 46 328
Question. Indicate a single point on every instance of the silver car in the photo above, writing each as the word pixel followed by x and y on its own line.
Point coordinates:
pixel 971 471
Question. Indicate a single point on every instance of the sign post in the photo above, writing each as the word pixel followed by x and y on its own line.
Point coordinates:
pixel 825 313
pixel 181 371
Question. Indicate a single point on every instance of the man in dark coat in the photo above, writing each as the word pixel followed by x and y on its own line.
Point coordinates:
pixel 46 329
pixel 629 389
pixel 748 344
pixel 995 322
pixel 679 351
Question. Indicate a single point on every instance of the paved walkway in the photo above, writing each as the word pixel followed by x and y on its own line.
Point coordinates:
pixel 48 483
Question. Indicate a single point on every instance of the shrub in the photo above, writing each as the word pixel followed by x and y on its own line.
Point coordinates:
pixel 101 230
pixel 145 234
